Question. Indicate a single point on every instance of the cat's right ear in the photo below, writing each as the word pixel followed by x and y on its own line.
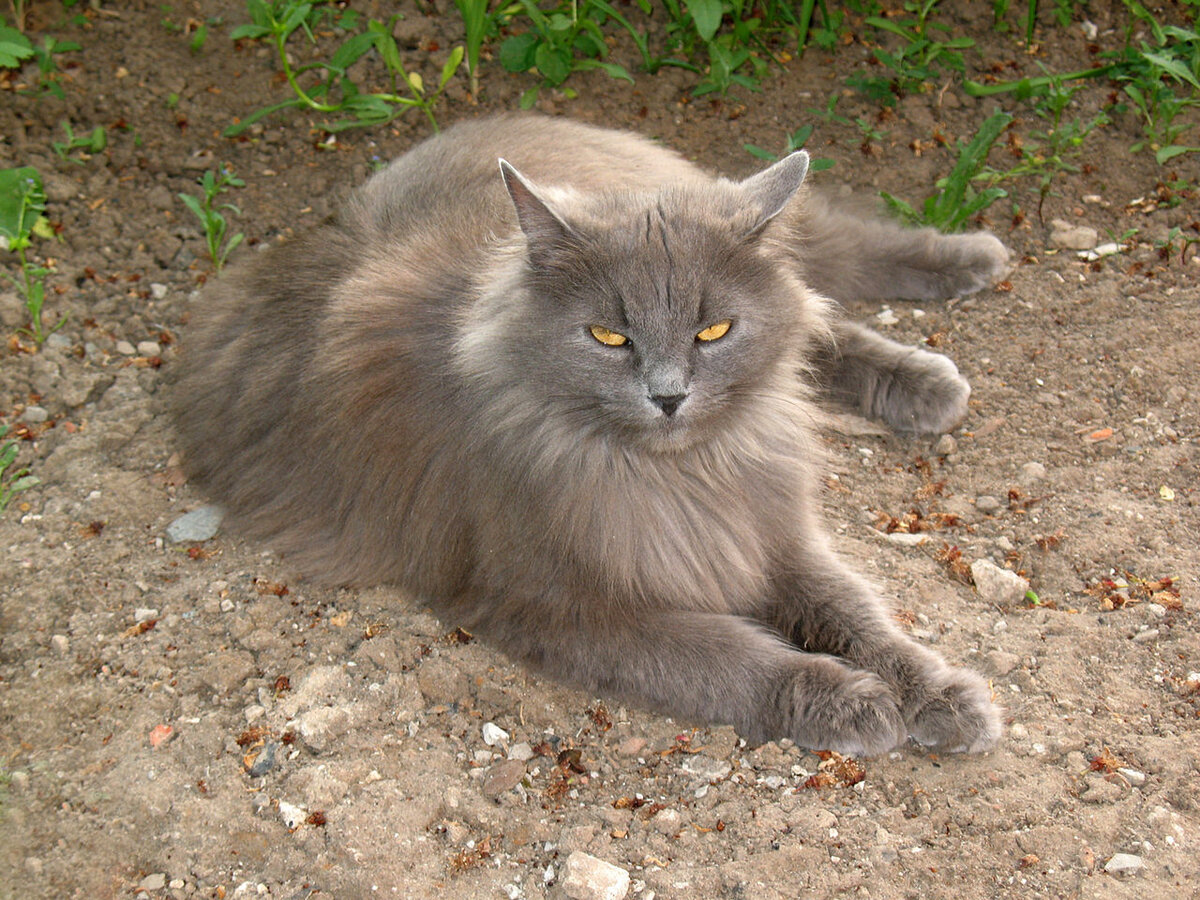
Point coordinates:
pixel 544 230
pixel 773 188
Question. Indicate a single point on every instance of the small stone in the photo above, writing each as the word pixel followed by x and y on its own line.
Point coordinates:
pixel 1124 864
pixel 1065 236
pixel 1000 662
pixel 158 290
pixel 1143 637
pixel 265 761
pixel 322 726
pixel 521 751
pixel 148 348
pixel 1031 472
pixel 590 878
pixel 906 539
pixel 1000 586
pixel 503 776
pixel 198 525
pixel 886 317
pixel 60 644
pixel 126 349
pixel 35 415
pixel 1133 776
pixel 176 884
pixel 293 816
pixel 493 734
pixel 632 746
pixel 155 882
pixel 253 713
pixel 987 504
pixel 945 445
pixel 667 821
pixel 706 768
pixel 144 614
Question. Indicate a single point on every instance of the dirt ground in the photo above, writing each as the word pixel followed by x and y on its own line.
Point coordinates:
pixel 194 720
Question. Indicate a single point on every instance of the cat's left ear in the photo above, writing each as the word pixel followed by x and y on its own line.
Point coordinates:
pixel 543 228
pixel 769 191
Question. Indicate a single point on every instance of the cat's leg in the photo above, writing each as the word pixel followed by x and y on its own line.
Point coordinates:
pixel 910 389
pixel 715 668
pixel 846 256
pixel 824 607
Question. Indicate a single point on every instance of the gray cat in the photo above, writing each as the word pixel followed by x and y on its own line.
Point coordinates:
pixel 568 400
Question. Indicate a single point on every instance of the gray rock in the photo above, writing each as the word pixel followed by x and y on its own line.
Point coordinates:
pixel 35 415
pixel 321 727
pixel 522 751
pixel 60 644
pixel 155 882
pixel 1065 236
pixel 996 585
pixel 126 349
pixel 1124 864
pixel 590 878
pixel 148 348
pixel 198 525
pixel 987 504
pixel 946 445
pixel 1031 472
pixel 706 768
pixel 502 777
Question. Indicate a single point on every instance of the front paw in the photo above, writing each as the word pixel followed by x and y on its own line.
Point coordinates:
pixel 953 712
pixel 853 712
pixel 924 394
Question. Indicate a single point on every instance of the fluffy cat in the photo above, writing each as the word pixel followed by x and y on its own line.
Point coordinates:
pixel 566 399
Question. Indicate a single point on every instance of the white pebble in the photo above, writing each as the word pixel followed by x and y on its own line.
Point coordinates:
pixel 493 734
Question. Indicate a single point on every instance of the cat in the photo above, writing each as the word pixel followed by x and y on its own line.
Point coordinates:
pixel 561 385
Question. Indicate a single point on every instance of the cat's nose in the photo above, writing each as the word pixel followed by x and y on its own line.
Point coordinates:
pixel 668 403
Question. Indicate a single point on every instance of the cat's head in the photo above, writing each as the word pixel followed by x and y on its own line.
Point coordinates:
pixel 656 317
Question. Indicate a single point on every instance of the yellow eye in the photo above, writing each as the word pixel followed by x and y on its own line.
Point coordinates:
pixel 608 338
pixel 714 332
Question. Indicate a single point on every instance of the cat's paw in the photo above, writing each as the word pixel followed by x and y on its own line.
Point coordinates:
pixel 981 261
pixel 954 713
pixel 850 711
pixel 924 394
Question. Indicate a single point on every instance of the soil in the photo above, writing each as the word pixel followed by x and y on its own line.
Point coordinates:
pixel 195 720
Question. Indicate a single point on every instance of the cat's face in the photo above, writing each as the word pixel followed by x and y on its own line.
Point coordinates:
pixel 656 320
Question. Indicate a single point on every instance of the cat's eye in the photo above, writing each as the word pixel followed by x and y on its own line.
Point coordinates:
pixel 607 337
pixel 714 332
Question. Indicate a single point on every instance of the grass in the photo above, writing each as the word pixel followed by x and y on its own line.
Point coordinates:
pixel 956 201
pixel 212 214
pixel 22 204
pixel 334 91
pixel 15 481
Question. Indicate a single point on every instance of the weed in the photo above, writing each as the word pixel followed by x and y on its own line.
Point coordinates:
pixel 563 40
pixel 1167 246
pixel 22 204
pixel 1048 152
pixel 794 141
pixel 210 214
pixel 920 55
pixel 278 20
pixel 12 483
pixel 956 200
pixel 45 54
pixel 15 48
pixel 88 144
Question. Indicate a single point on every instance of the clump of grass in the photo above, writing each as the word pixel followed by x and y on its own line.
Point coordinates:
pixel 22 204
pixel 957 201
pixel 335 91
pixel 211 214
pixel 12 483
pixel 793 142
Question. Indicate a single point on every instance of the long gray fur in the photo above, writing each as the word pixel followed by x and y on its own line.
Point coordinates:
pixel 411 394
